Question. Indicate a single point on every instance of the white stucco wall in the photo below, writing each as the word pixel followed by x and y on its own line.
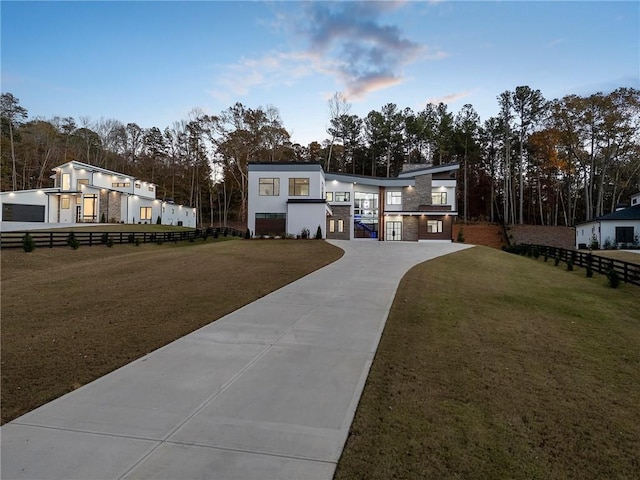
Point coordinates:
pixel 306 215
pixel 448 186
pixel 278 203
pixel 603 230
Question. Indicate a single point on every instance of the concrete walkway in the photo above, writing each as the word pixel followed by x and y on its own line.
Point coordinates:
pixel 267 392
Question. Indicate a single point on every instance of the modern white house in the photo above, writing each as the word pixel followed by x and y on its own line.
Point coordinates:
pixel 289 198
pixel 617 229
pixel 84 193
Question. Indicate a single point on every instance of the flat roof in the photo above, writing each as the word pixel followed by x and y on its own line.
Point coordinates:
pixel 284 167
pixel 373 181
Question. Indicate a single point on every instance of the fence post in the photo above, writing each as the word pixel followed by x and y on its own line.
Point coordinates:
pixel 50 239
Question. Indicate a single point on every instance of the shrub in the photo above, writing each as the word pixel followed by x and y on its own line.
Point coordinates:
pixel 304 233
pixel 557 260
pixel 104 238
pixel 226 232
pixel 613 278
pixel 131 238
pixel 319 233
pixel 72 241
pixel 593 245
pixel 608 244
pixel 460 238
pixel 28 243
pixel 109 242
pixel 536 252
pixel 137 242
pixel 589 271
pixel 247 234
pixel 570 265
pixel 103 218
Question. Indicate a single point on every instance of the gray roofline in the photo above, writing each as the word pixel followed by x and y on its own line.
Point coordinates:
pixel 427 170
pixel 373 181
pixel 284 167
pixel 101 170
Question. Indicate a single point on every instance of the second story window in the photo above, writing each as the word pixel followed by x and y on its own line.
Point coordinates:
pixel 329 197
pixel 342 196
pixel 269 187
pixel 120 184
pixel 299 187
pixel 66 181
pixel 394 198
pixel 439 198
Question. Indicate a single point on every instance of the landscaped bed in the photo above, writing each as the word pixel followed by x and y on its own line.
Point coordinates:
pixel 496 366
pixel 71 316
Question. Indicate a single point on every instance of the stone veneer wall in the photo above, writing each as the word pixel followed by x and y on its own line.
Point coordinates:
pixel 413 197
pixel 340 212
pixel 111 206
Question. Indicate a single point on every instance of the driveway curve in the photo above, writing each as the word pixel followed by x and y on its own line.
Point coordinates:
pixel 266 392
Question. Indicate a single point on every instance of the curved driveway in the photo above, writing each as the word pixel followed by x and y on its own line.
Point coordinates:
pixel 267 392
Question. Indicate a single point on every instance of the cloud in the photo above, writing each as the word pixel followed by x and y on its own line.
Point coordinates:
pixel 343 40
pixel 364 54
pixel 450 98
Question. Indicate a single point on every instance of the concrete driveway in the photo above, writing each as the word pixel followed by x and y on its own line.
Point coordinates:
pixel 267 392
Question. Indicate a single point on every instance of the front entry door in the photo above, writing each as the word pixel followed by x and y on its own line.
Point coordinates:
pixel 393 231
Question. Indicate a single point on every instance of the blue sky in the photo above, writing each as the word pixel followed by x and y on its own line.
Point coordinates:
pixel 153 62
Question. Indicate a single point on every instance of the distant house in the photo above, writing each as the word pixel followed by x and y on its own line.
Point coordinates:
pixel 289 198
pixel 617 229
pixel 84 193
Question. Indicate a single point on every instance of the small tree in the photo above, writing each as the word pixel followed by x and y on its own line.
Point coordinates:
pixel 28 243
pixel 247 234
pixel 158 220
pixel 319 233
pixel 460 238
pixel 72 241
pixel 109 242
pixel 103 218
pixel 104 238
pixel 569 265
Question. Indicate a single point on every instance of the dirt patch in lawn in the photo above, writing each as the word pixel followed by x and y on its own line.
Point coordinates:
pixel 71 316
pixel 494 366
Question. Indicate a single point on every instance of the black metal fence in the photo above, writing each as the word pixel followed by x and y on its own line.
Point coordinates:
pixel 54 238
pixel 628 272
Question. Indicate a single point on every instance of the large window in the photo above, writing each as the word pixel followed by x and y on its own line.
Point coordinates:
pixel 299 187
pixel 434 226
pixel 66 181
pixel 269 187
pixel 120 184
pixel 439 198
pixel 394 198
pixel 340 225
pixel 89 208
pixel 145 213
pixel 624 234
pixel 342 196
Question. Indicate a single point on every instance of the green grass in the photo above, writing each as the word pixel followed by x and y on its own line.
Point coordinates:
pixel 497 366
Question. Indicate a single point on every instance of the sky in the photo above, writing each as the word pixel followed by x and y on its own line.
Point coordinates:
pixel 154 62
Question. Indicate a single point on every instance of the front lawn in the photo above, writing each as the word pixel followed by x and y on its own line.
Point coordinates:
pixel 494 366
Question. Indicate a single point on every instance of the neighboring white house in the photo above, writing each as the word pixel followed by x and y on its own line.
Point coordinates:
pixel 84 193
pixel 287 198
pixel 617 229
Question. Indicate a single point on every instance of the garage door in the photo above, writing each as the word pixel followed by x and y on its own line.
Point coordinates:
pixel 17 212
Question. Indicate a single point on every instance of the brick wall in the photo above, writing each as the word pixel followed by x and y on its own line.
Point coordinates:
pixel 110 206
pixel 561 237
pixel 410 227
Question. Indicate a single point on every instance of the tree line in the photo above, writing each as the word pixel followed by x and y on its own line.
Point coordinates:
pixel 543 162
